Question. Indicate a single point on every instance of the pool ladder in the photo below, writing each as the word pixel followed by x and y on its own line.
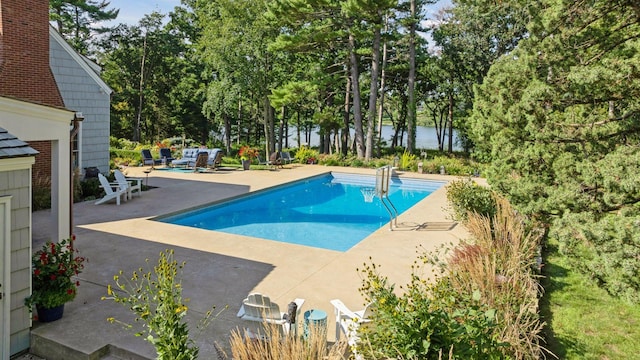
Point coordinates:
pixel 383 178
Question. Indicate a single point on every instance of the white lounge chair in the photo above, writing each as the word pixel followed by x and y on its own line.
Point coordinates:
pixel 348 322
pixel 259 308
pixel 110 193
pixel 130 184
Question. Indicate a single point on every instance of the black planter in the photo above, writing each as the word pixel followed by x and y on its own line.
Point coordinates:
pixel 246 164
pixel 49 315
pixel 91 172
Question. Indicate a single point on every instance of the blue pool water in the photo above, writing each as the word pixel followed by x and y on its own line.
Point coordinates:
pixel 326 212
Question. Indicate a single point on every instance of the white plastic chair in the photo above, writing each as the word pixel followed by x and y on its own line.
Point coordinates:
pixel 348 322
pixel 129 184
pixel 110 193
pixel 259 308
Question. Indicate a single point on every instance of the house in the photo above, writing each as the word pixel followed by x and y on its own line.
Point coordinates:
pixel 16 160
pixel 32 110
pixel 82 90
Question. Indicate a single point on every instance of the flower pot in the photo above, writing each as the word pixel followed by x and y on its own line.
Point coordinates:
pixel 48 315
pixel 246 164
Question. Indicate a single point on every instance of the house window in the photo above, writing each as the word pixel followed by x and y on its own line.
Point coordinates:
pixel 75 152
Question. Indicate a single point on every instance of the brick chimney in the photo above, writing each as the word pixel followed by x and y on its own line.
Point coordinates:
pixel 25 73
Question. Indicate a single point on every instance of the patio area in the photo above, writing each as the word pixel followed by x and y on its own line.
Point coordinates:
pixel 221 269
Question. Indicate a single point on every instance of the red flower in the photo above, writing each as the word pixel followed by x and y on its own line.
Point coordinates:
pixel 52 277
pixel 36 272
pixel 69 291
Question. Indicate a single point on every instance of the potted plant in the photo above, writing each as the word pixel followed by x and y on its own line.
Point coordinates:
pixel 246 154
pixel 53 267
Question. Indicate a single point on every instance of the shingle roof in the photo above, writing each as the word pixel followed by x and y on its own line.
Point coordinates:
pixel 11 146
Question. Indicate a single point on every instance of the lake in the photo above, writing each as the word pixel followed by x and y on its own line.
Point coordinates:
pixel 425 137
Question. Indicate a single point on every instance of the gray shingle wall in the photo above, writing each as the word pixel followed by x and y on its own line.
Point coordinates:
pixel 81 93
pixel 17 184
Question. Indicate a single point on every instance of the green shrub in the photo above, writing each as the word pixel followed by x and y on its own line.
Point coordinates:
pixel 91 188
pixel 428 321
pixel 466 196
pixel 331 160
pixel 122 143
pixel 125 156
pixel 305 153
pixel 407 160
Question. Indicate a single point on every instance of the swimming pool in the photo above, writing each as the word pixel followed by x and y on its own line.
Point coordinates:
pixel 327 211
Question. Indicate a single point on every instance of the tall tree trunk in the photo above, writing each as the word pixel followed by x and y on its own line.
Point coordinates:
pixel 227 131
pixel 373 94
pixel 268 126
pixel 382 91
pixel 345 129
pixel 281 128
pixel 357 106
pixel 136 135
pixel 298 130
pixel 411 111
pixel 450 122
pixel 239 121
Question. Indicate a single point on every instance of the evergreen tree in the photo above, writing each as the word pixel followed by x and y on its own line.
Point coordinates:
pixel 560 119
pixel 75 20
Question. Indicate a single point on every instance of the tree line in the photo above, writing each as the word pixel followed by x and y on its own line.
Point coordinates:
pixel 252 70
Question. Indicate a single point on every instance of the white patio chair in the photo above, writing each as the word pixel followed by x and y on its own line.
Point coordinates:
pixel 110 193
pixel 348 322
pixel 259 308
pixel 130 184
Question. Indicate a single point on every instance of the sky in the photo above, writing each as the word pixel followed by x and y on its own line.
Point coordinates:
pixel 131 11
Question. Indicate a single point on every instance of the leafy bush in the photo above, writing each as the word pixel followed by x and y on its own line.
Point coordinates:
pixel 125 156
pixel 91 188
pixel 122 143
pixel 332 160
pixel 453 166
pixel 466 196
pixel 428 321
pixel 305 153
pixel 407 160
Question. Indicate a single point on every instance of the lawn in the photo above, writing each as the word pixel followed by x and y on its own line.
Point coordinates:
pixel 584 322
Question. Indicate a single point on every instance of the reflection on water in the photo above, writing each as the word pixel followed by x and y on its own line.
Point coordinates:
pixel 426 137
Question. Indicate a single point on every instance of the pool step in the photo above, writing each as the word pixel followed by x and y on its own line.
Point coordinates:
pixel 52 350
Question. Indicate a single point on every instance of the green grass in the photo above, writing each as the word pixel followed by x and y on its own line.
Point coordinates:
pixel 584 321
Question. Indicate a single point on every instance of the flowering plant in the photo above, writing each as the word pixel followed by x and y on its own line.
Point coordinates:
pixel 53 266
pixel 247 153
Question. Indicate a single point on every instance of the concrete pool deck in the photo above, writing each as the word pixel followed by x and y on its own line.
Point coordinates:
pixel 221 269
